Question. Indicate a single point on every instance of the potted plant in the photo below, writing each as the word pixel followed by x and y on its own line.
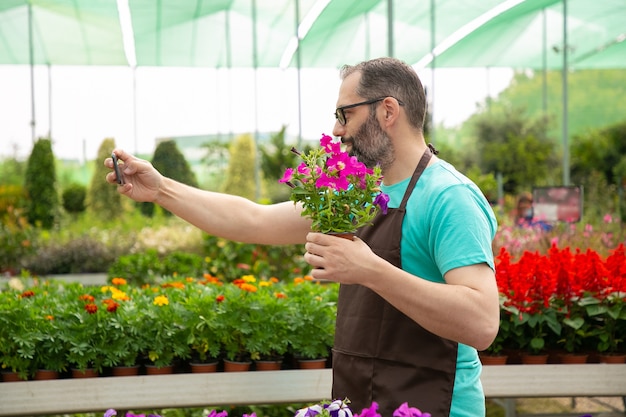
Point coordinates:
pixel 163 325
pixel 17 341
pixel 495 354
pixel 313 321
pixel 200 312
pixel 232 322
pixel 609 313
pixel 337 192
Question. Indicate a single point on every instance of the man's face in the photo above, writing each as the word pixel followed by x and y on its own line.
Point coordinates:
pixel 362 134
pixel 370 144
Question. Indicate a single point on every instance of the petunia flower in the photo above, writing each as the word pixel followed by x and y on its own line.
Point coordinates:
pixel 405 411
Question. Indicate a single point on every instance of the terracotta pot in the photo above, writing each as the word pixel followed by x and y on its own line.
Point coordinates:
pixel 612 358
pixel 487 359
pixel 163 370
pixel 232 366
pixel 84 373
pixel 198 368
pixel 11 377
pixel 569 358
pixel 45 374
pixel 125 370
pixel 312 363
pixel 268 365
pixel 343 235
pixel 528 359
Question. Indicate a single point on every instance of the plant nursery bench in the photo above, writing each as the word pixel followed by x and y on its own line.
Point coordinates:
pixel 61 396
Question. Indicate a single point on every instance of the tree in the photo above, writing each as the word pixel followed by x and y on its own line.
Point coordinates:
pixel 510 143
pixel 170 162
pixel 599 150
pixel 40 185
pixel 240 176
pixel 103 200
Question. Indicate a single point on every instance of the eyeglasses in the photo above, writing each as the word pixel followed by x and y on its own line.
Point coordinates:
pixel 340 115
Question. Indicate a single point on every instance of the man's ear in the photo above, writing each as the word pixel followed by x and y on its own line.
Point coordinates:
pixel 391 109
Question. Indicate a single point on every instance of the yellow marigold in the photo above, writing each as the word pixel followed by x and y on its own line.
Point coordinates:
pixel 161 300
pixel 249 278
pixel 264 284
pixel 120 295
pixel 118 281
pixel 190 279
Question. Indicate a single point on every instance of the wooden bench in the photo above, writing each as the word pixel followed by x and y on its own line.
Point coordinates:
pixel 274 387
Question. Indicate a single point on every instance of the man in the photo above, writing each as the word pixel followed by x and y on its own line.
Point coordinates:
pixel 418 293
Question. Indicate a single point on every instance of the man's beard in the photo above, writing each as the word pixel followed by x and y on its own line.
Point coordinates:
pixel 371 145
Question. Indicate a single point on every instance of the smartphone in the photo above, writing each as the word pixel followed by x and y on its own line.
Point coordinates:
pixel 118 173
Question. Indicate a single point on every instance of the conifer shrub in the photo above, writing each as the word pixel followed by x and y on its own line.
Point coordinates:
pixel 170 162
pixel 40 185
pixel 240 175
pixel 103 200
pixel 73 198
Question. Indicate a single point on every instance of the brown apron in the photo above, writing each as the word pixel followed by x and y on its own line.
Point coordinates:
pixel 379 353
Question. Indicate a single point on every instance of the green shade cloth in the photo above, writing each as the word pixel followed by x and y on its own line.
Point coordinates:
pixel 262 33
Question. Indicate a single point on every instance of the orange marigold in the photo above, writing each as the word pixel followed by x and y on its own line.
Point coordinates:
pixel 118 281
pixel 91 308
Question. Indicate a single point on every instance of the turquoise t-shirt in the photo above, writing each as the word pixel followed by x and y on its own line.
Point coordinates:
pixel 448 224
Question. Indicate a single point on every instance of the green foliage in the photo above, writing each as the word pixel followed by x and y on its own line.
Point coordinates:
pixel 40 185
pixel 170 162
pixel 229 260
pixel 80 255
pixel 240 176
pixel 600 150
pixel 149 267
pixel 103 200
pixel 515 146
pixel 73 198
pixel 16 239
pixel 275 158
pixel 12 171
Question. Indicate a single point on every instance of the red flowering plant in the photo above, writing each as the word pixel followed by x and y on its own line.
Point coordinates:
pixel 608 307
pixel 529 289
pixel 574 300
pixel 337 192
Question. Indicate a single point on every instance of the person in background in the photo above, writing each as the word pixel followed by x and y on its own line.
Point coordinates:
pixel 418 295
pixel 524 216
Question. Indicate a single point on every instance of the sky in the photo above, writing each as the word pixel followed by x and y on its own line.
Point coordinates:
pixel 81 106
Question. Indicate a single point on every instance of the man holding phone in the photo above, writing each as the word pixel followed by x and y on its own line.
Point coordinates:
pixel 418 294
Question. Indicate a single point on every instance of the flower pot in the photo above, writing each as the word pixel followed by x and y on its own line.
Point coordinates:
pixel 11 377
pixel 486 359
pixel 312 363
pixel 569 358
pixel 45 374
pixel 343 235
pixel 612 358
pixel 198 368
pixel 84 373
pixel 159 370
pixel 540 359
pixel 268 365
pixel 125 370
pixel 232 366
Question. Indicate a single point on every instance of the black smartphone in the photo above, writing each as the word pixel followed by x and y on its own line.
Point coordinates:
pixel 118 173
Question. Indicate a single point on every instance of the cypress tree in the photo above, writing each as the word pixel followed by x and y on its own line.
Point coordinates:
pixel 170 162
pixel 40 185
pixel 103 200
pixel 240 179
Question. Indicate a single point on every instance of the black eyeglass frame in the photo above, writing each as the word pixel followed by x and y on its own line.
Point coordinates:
pixel 341 116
